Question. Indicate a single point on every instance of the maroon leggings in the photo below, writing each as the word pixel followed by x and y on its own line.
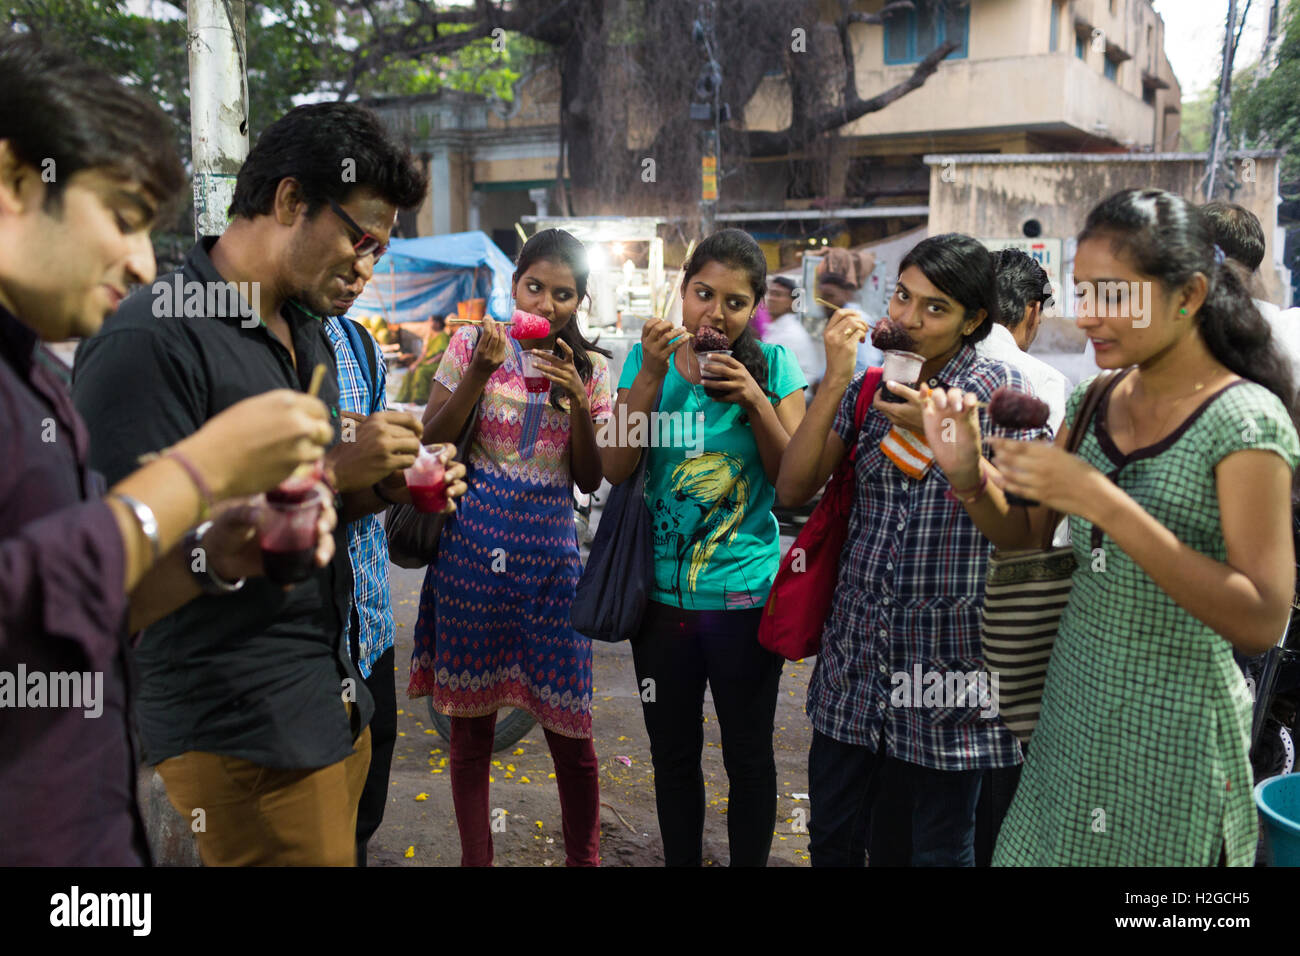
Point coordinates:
pixel 576 773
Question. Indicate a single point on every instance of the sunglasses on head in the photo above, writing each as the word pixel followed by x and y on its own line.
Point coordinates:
pixel 367 245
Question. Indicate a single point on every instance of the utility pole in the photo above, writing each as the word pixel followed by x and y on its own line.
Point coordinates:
pixel 219 135
pixel 707 107
pixel 218 107
pixel 1222 103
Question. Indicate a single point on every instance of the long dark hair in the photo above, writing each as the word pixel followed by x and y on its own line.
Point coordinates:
pixel 737 249
pixel 558 246
pixel 961 267
pixel 1166 237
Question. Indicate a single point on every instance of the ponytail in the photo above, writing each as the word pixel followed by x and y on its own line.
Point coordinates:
pixel 1239 337
pixel 746 351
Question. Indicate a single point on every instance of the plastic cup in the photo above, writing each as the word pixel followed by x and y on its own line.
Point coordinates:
pixel 901 367
pixel 706 360
pixel 426 480
pixel 287 535
pixel 534 381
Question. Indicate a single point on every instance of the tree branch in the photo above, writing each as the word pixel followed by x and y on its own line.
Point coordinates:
pixel 889 10
pixel 802 131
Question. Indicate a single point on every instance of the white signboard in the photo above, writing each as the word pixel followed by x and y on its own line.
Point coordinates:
pixel 1047 253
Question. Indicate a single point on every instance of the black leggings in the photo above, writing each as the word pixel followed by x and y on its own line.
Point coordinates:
pixel 679 651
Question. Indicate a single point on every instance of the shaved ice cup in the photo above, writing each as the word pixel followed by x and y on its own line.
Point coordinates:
pixel 901 367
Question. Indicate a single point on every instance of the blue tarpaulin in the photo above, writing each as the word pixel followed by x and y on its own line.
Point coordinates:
pixel 429 275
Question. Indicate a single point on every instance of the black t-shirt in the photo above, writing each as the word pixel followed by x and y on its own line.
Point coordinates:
pixel 259 674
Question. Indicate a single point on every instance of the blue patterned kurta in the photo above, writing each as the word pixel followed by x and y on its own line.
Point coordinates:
pixel 494 628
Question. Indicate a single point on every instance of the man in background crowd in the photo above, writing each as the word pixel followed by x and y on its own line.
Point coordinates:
pixel 787 328
pixel 1238 233
pixel 839 291
pixel 1023 287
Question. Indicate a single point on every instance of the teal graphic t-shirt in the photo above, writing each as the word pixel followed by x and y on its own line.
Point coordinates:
pixel 716 539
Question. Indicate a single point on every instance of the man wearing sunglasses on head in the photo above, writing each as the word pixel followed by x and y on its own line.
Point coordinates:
pixel 254 711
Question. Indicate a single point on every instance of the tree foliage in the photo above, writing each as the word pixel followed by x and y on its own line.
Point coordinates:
pixel 1267 112
pixel 629 69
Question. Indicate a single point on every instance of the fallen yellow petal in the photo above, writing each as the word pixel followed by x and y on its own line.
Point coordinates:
pixel 421 797
pixel 410 850
pixel 523 779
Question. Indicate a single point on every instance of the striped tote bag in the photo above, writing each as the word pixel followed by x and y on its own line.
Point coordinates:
pixel 1025 595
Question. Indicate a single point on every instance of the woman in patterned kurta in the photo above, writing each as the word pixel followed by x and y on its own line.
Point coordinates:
pixel 1178 499
pixel 493 629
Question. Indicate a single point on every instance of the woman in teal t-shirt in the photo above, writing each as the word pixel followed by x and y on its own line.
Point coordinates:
pixel 709 485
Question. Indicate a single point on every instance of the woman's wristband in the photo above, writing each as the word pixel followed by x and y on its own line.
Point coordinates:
pixel 967 496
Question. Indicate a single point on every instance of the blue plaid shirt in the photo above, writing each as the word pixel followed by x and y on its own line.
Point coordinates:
pixel 907 603
pixel 367 546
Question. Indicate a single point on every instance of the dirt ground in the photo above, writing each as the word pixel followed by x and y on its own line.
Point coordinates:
pixel 419 827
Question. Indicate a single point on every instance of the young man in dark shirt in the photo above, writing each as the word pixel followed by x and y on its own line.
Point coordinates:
pixel 85 168
pixel 250 705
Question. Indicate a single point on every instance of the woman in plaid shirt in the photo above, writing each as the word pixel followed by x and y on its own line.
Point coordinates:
pixel 903 718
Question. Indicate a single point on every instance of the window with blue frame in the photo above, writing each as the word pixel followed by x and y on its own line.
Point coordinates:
pixel 911 37
pixel 1110 68
pixel 1078 46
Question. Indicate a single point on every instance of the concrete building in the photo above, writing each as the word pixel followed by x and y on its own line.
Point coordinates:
pixel 1031 76
pixel 1041 200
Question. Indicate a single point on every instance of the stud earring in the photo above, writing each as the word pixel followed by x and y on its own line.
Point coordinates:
pixel 1182 311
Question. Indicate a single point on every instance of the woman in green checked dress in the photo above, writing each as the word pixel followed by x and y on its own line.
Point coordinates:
pixel 1179 501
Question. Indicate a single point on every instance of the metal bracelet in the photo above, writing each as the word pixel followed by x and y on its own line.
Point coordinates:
pixel 144 517
pixel 208 580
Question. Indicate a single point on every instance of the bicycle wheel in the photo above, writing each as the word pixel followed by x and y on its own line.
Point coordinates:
pixel 510 728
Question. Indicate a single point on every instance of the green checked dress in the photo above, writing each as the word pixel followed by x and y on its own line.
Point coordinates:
pixel 1140 757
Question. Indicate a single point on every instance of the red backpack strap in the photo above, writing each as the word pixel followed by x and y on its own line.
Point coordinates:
pixel 870 382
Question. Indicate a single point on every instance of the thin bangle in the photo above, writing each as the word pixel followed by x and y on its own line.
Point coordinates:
pixel 205 493
pixel 145 518
pixel 968 496
pixel 208 580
